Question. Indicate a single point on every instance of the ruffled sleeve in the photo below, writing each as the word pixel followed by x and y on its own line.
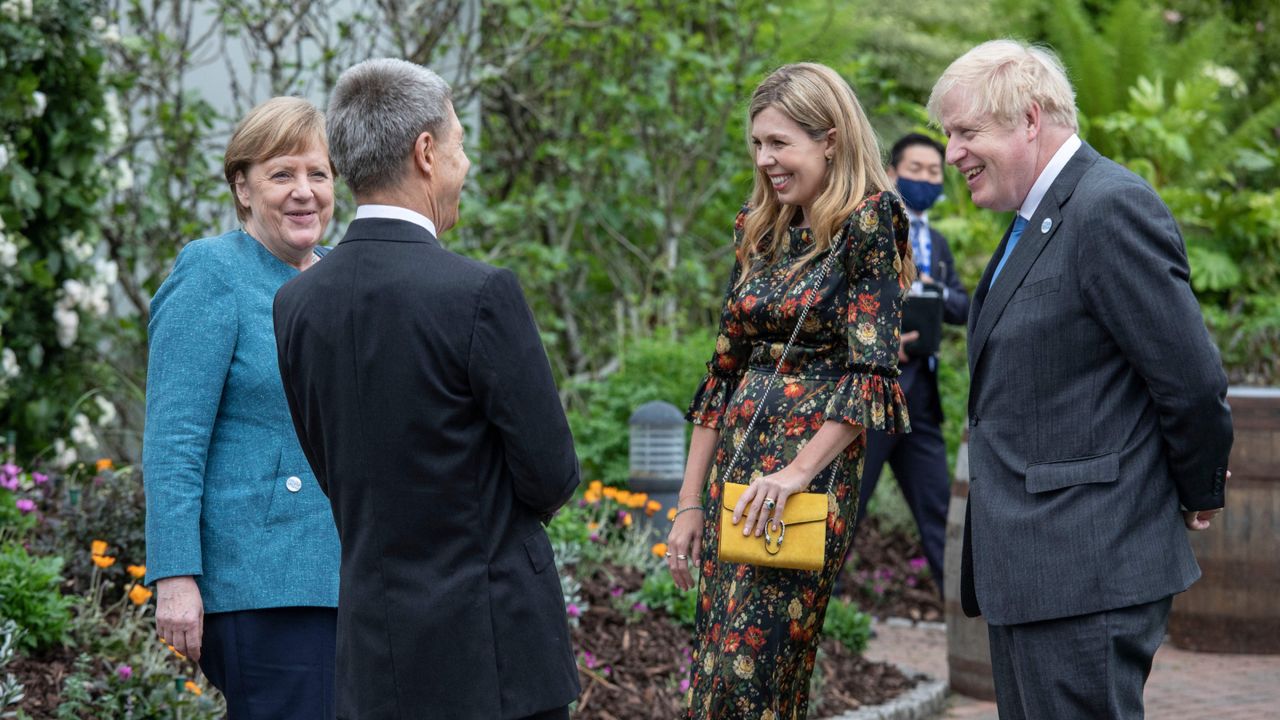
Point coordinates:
pixel 868 394
pixel 729 361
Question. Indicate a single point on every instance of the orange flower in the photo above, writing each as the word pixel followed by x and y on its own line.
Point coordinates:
pixel 139 595
pixel 104 464
pixel 103 561
pixel 652 507
pixel 193 688
pixel 595 486
pixel 626 519
pixel 137 572
pixel 610 492
pixel 660 549
pixel 671 514
pixel 174 650
pixel 591 496
pixel 99 547
pixel 593 526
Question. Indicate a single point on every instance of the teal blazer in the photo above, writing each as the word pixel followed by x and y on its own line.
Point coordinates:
pixel 230 496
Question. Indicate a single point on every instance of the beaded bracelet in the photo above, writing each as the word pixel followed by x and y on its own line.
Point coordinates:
pixel 687 509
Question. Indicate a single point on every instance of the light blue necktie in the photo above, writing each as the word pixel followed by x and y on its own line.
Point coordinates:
pixel 1018 226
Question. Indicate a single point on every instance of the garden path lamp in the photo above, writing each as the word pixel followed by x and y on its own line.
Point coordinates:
pixel 657 455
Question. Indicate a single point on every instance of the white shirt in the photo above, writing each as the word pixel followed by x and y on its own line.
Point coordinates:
pixel 395 212
pixel 1048 175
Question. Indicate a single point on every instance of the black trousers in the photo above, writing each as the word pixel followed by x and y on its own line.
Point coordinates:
pixel 919 462
pixel 561 713
pixel 276 663
pixel 1087 667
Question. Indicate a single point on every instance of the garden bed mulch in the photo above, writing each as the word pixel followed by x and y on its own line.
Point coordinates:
pixel 886 575
pixel 634 670
pixel 41 678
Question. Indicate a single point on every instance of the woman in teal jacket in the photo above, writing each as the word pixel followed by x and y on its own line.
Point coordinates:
pixel 241 542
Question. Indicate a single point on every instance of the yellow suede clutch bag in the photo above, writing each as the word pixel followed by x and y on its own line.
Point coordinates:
pixel 798 541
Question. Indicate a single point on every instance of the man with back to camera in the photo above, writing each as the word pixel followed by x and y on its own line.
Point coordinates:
pixel 1098 428
pixel 919 458
pixel 425 403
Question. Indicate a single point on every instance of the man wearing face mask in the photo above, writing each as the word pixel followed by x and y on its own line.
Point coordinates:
pixel 919 459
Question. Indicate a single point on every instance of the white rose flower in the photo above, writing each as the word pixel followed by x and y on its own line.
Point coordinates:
pixel 67 322
pixel 74 291
pixel 107 414
pixel 96 300
pixel 124 176
pixel 117 130
pixel 63 456
pixel 111 35
pixel 107 271
pixel 98 23
pixel 39 102
pixel 82 432
pixel 9 368
pixel 4 158
pixel 8 252
pixel 27 8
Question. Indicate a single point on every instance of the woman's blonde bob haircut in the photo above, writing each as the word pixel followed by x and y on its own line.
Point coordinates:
pixel 279 126
pixel 1003 78
pixel 817 99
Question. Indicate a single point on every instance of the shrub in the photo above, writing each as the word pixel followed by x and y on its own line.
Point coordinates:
pixel 31 598
pixel 845 623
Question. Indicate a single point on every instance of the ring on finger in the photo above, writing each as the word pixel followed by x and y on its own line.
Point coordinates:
pixel 769 504
pixel 682 557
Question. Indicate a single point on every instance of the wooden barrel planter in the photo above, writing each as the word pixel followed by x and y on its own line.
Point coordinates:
pixel 968 648
pixel 1233 608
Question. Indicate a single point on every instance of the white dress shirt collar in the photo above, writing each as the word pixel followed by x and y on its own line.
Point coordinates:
pixel 395 212
pixel 1048 175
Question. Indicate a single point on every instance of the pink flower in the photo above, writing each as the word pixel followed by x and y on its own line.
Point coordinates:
pixel 8 483
pixel 616 592
pixel 25 506
pixel 125 672
pixel 684 685
pixel 588 659
pixel 574 610
pixel 10 470
pixel 918 563
pixel 39 478
pixel 640 607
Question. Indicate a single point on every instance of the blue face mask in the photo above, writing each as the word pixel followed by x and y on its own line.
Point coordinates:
pixel 918 194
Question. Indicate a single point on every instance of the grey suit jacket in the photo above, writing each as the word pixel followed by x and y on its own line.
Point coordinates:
pixel 1097 406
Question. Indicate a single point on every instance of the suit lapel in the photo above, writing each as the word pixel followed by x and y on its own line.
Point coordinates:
pixel 1040 230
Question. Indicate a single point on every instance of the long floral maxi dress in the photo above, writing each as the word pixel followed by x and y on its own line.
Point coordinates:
pixel 758 628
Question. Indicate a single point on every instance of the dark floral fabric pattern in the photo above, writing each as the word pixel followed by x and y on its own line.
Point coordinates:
pixel 758 628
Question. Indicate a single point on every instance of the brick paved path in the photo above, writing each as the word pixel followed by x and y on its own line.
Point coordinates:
pixel 1183 685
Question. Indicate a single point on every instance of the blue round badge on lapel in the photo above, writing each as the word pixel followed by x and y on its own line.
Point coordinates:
pixel 1044 226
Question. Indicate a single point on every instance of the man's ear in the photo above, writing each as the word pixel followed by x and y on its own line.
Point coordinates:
pixel 1031 120
pixel 424 153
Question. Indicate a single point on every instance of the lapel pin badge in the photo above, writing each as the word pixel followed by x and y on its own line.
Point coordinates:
pixel 1044 226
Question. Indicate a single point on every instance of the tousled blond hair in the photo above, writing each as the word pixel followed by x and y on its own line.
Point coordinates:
pixel 1003 78
pixel 817 99
pixel 279 126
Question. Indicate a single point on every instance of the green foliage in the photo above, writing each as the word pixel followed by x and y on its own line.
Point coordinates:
pixel 53 294
pixel 847 624
pixel 652 369
pixel 107 506
pixel 29 596
pixel 97 689
pixel 659 591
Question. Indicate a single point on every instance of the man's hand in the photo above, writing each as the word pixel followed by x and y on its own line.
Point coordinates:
pixel 1199 519
pixel 926 278
pixel 907 337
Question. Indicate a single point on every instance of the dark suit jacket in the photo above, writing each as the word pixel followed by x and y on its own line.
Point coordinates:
pixel 424 401
pixel 1097 405
pixel 919 382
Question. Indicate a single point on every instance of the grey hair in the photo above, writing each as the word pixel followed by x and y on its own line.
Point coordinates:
pixel 377 110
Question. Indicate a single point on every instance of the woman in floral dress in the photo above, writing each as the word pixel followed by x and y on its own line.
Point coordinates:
pixel 818 184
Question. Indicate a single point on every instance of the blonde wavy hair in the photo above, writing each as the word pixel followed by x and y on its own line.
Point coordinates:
pixel 817 99
pixel 1003 78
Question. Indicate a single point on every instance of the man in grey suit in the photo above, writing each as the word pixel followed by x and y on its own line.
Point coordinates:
pixel 1099 431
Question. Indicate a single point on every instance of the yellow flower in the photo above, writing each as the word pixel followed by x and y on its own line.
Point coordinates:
pixel 722 344
pixel 671 514
pixel 193 688
pixel 99 547
pixel 652 507
pixel 139 595
pixel 626 519
pixel 869 220
pixel 103 561
pixel 660 549
pixel 744 667
pixel 104 464
pixel 137 572
pixel 877 413
pixel 794 609
pixel 593 526
pixel 768 715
